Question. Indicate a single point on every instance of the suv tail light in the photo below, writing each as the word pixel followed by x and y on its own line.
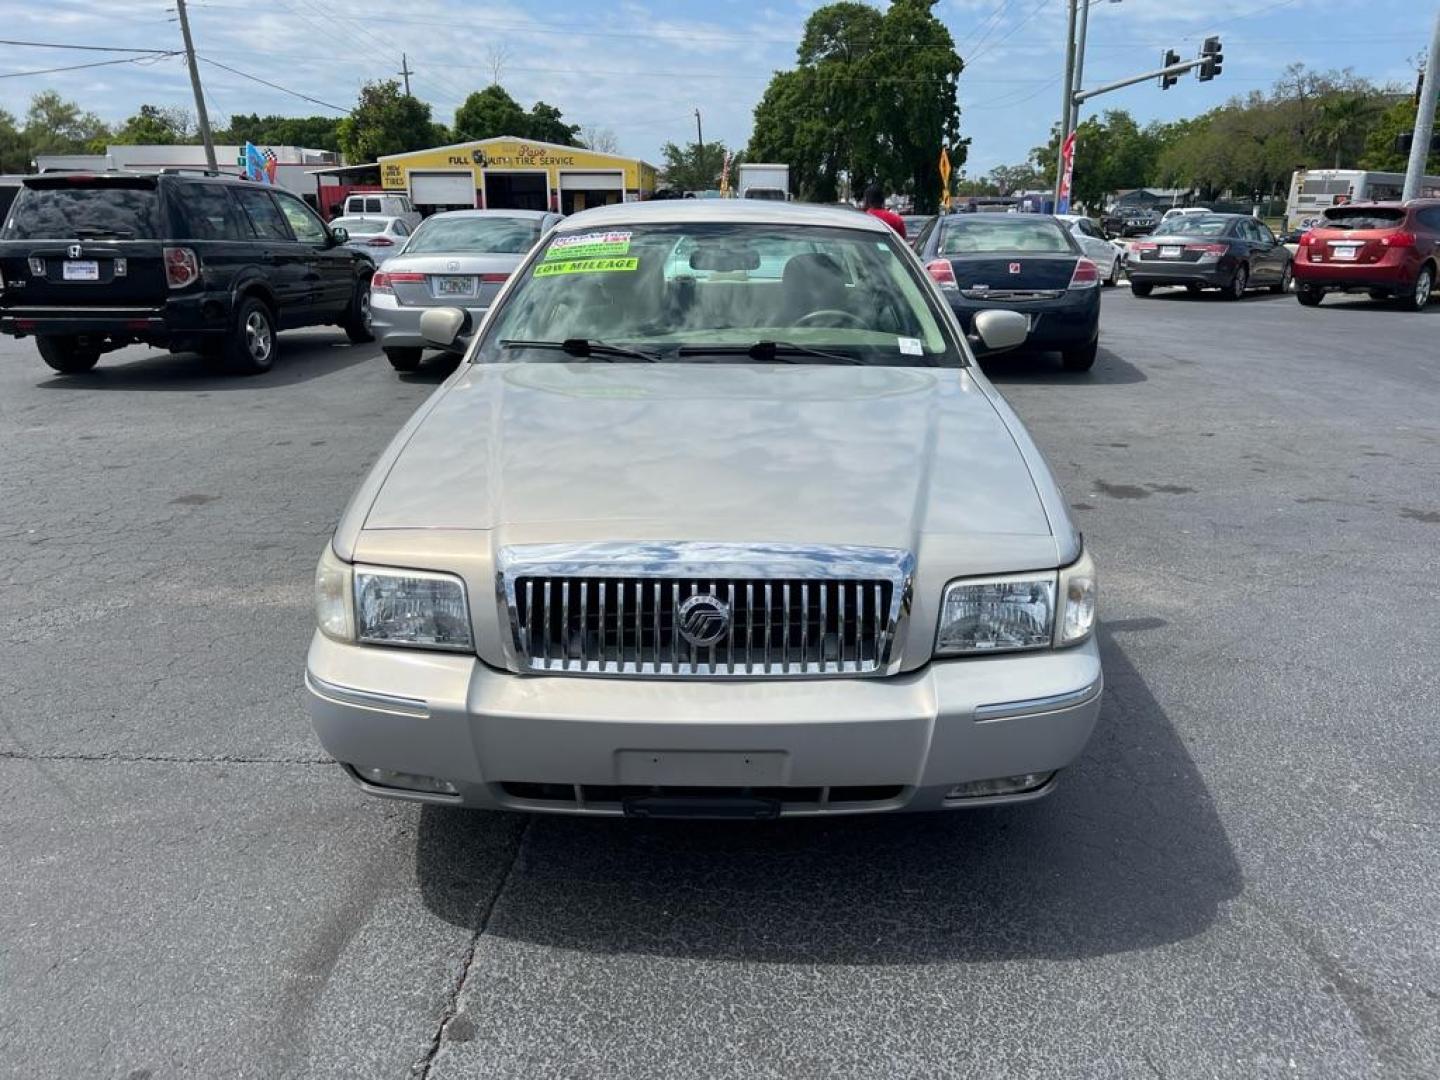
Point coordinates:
pixel 1086 275
pixel 181 267
pixel 1399 239
pixel 942 273
pixel 382 282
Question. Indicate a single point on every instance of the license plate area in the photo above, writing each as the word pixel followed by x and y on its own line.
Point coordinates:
pixel 463 285
pixel 1346 252
pixel 698 805
pixel 1171 251
pixel 80 270
pixel 708 768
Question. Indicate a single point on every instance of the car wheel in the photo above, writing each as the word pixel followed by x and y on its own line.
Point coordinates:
pixel 1081 358
pixel 1141 289
pixel 404 359
pixel 1419 296
pixel 1114 278
pixel 1309 296
pixel 66 355
pixel 357 317
pixel 1284 285
pixel 1239 283
pixel 250 349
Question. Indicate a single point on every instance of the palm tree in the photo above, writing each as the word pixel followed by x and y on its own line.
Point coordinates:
pixel 1345 120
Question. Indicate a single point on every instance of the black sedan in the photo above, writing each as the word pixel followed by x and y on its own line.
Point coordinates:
pixel 1231 252
pixel 1019 262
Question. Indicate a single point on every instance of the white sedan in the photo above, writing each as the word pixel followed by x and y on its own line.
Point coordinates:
pixel 1106 254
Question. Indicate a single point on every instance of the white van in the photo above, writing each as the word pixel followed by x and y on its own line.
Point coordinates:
pixel 381 204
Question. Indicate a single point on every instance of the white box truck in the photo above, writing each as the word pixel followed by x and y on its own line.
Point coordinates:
pixel 765 182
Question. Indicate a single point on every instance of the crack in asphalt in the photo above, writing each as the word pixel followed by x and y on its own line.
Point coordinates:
pixel 166 759
pixel 421 1068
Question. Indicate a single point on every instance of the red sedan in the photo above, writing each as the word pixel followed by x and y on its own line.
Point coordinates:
pixel 1389 250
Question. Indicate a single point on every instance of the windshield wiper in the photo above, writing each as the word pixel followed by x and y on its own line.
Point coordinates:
pixel 779 352
pixel 585 348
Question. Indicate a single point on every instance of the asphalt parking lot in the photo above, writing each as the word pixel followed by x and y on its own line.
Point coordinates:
pixel 1237 880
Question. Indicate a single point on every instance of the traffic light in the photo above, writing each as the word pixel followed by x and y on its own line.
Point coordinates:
pixel 1167 81
pixel 1406 139
pixel 1212 58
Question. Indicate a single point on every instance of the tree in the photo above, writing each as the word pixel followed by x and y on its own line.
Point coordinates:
pixel 872 98
pixel 154 126
pixel 56 126
pixel 1344 120
pixel 14 147
pixel 1380 151
pixel 1009 178
pixel 488 113
pixel 600 139
pixel 385 121
pixel 545 124
pixel 695 167
pixel 314 132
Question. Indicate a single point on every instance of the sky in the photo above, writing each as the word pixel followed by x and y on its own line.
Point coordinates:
pixel 642 69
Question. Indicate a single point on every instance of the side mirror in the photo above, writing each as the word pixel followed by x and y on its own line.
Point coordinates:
pixel 997 331
pixel 340 233
pixel 445 328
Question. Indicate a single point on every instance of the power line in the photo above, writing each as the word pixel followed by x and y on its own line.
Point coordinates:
pixel 273 86
pixel 95 64
pixel 82 48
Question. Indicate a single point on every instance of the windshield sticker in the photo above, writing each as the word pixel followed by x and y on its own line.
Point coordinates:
pixel 589 244
pixel 585 266
pixel 910 346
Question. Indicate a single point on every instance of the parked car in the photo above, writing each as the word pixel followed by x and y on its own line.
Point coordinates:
pixel 376 204
pixel 915 223
pixel 1388 250
pixel 461 257
pixel 186 262
pixel 1231 252
pixel 681 539
pixel 378 237
pixel 1106 254
pixel 1177 212
pixel 1028 263
pixel 1129 221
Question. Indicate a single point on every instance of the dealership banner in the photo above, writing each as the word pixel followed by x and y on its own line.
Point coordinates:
pixel 1067 169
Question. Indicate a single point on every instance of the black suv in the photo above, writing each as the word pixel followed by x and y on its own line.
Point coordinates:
pixel 184 261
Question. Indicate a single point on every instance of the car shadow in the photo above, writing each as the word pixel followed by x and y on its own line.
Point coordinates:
pixel 1127 854
pixel 1216 296
pixel 301 358
pixel 435 369
pixel 1032 366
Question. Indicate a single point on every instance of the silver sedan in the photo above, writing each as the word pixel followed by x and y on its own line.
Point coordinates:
pixel 378 237
pixel 457 259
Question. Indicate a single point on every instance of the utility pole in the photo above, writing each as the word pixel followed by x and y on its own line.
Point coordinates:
pixel 1067 92
pixel 405 72
pixel 699 134
pixel 1424 118
pixel 200 114
pixel 1079 61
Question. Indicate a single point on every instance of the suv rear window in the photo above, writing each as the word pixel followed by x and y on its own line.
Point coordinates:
pixel 1363 217
pixel 75 211
pixel 210 213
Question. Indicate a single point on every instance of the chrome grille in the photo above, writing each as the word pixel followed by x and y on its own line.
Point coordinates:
pixel 582 620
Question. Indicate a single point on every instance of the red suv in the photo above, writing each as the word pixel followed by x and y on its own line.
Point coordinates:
pixel 1386 249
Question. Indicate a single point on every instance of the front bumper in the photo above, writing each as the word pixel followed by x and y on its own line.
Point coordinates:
pixel 883 744
pixel 398 325
pixel 1071 319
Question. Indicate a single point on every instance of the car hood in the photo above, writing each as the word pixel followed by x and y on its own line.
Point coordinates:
pixel 549 452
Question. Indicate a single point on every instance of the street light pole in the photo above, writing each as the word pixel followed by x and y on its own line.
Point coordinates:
pixel 1424 118
pixel 1079 62
pixel 1067 90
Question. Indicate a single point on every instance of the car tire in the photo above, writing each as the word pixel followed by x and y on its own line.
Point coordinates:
pixel 1309 296
pixel 250 348
pixel 1114 278
pixel 1419 294
pixel 404 359
pixel 1081 357
pixel 1141 289
pixel 1238 284
pixel 357 315
pixel 66 355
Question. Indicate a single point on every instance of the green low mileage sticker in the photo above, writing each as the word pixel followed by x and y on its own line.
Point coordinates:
pixel 586 266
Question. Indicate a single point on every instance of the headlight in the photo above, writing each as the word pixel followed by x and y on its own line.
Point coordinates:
pixel 332 597
pixel 411 607
pixel 999 614
pixel 1079 597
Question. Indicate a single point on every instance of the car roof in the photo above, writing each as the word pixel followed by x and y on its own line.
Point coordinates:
pixel 742 211
pixel 992 215
pixel 527 215
pixel 367 217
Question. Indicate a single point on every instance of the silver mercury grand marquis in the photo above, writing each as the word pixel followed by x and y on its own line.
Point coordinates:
pixel 718 518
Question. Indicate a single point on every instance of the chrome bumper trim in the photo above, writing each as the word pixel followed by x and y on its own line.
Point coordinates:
pixel 1031 706
pixel 366 699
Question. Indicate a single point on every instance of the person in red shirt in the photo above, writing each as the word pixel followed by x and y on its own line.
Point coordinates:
pixel 875 207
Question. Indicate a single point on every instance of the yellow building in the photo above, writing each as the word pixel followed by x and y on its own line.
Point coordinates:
pixel 516 174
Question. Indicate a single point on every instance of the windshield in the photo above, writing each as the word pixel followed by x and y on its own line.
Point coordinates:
pixel 691 292
pixel 356 226
pixel 1041 235
pixel 1197 225
pixel 49 213
pixel 1363 217
pixel 494 235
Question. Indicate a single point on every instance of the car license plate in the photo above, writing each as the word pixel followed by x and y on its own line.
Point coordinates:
pixel 456 286
pixel 1170 251
pixel 80 270
pixel 1349 251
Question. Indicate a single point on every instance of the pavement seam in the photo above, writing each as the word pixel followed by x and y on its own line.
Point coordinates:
pixel 422 1068
pixel 165 759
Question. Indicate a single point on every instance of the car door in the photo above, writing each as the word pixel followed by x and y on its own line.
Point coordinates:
pixel 1276 253
pixel 332 265
pixel 1096 248
pixel 286 260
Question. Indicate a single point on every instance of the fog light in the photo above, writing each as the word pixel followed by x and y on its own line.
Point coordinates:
pixel 1000 785
pixel 406 781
